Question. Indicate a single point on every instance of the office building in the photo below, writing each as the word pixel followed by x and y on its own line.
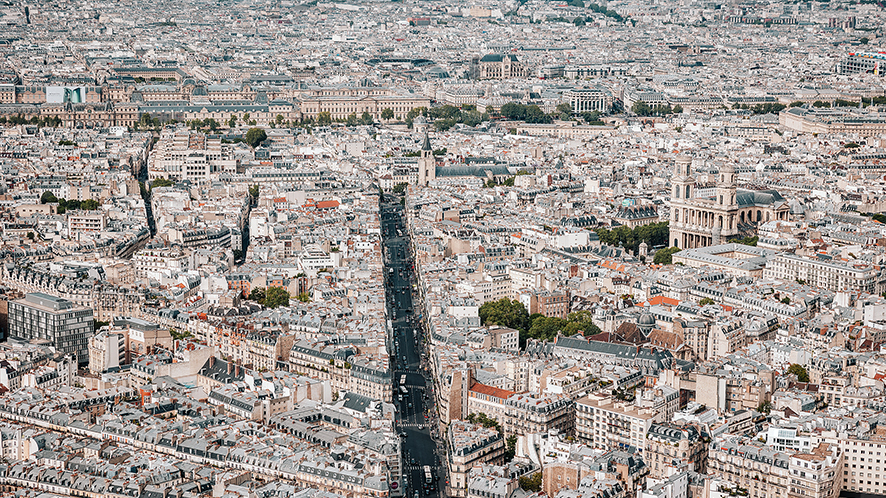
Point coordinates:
pixel 41 317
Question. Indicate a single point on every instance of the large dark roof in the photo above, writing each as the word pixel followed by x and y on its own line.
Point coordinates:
pixel 477 171
pixel 757 197
pixel 498 57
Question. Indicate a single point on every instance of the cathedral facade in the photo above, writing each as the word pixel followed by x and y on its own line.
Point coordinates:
pixel 711 218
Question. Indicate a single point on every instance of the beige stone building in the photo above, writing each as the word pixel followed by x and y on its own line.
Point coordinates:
pixel 501 67
pixel 604 422
pixel 712 216
pixel 671 449
pixel 470 444
pixel 766 473
pixel 342 102
pixel 842 120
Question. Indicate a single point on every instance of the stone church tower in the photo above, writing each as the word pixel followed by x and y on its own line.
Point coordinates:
pixel 427 166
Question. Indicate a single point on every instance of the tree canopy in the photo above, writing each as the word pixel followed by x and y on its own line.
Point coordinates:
pixel 276 297
pixel 799 371
pixel 505 312
pixel 665 256
pixel 48 198
pixel 257 295
pixel 90 205
pixel 641 108
pixel 654 234
pixel 546 328
pixel 255 136
pixel 272 297
pixel 748 241
pixel 531 483
pixel 521 112
pixel 162 182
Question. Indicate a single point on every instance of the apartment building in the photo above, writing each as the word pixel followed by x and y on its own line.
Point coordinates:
pixel 488 400
pixel 107 350
pixel 551 303
pixel 264 349
pixel 522 413
pixel 80 221
pixel 671 449
pixel 766 473
pixel 733 394
pixel 503 338
pixel 833 275
pixel 866 122
pixel 864 460
pixel 150 263
pixel 605 422
pixel 470 444
pixel 531 414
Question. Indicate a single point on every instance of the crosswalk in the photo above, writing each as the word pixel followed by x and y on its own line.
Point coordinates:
pixel 411 425
pixel 412 468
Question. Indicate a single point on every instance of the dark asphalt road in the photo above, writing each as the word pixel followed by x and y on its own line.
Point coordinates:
pixel 414 410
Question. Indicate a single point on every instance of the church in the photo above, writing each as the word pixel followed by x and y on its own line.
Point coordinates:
pixel 429 171
pixel 710 218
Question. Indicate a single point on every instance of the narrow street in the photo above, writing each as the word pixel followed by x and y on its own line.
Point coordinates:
pixel 413 398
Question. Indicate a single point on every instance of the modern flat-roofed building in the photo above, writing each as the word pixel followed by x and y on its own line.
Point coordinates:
pixel 60 322
pixel 862 62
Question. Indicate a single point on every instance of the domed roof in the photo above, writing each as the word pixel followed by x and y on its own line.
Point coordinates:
pixel 646 318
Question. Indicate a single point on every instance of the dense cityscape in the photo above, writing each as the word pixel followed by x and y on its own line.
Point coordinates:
pixel 414 249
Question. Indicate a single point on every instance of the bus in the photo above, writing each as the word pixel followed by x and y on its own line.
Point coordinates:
pixel 429 478
pixel 403 380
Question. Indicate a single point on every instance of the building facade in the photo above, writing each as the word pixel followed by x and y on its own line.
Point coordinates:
pixel 501 67
pixel 717 216
pixel 589 100
pixel 604 422
pixel 833 275
pixel 58 321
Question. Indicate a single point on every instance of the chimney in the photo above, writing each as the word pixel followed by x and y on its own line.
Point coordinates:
pixel 230 367
pixel 211 361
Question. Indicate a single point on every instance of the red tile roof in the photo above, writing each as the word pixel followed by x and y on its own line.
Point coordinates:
pixel 327 204
pixel 491 391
